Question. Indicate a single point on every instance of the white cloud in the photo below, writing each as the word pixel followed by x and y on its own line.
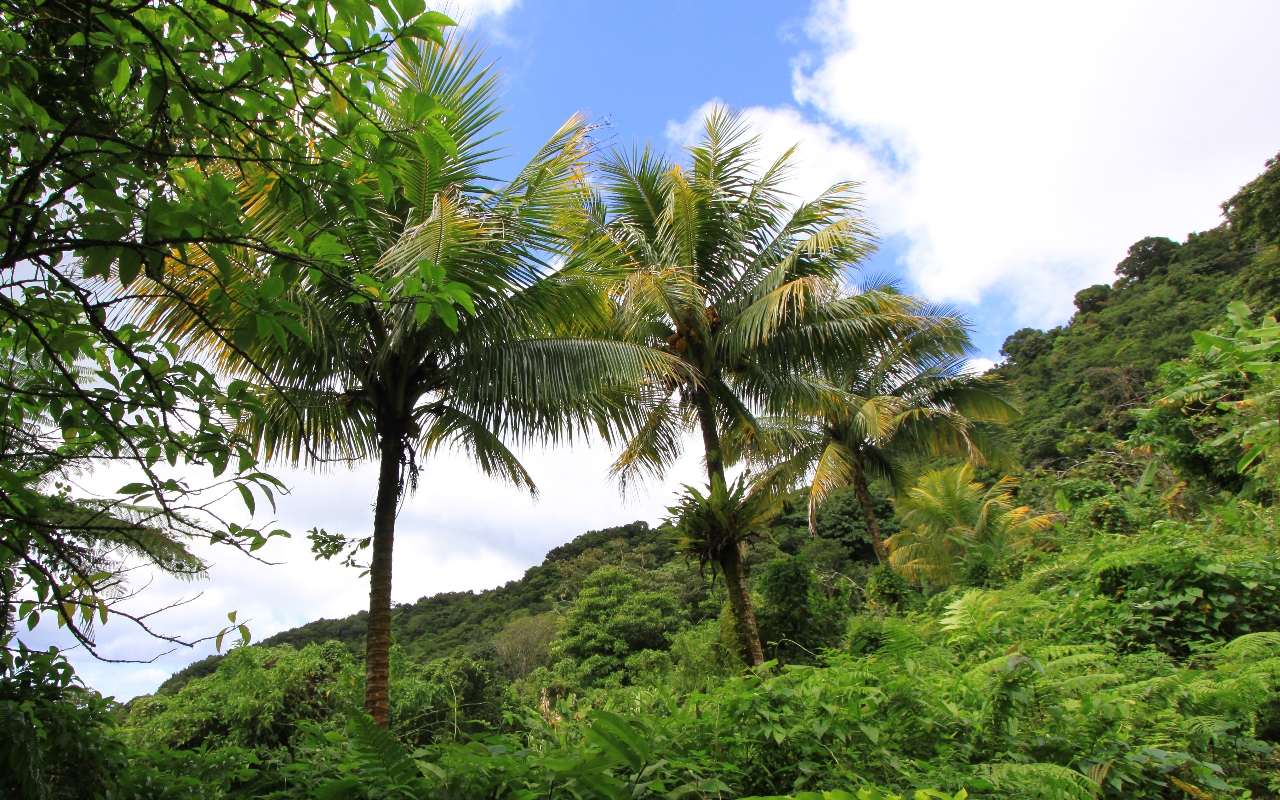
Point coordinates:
pixel 980 365
pixel 467 11
pixel 1021 147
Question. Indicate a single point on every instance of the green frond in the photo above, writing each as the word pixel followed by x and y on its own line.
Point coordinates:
pixel 836 468
pixel 1252 646
pixel 1048 781
pixel 448 428
pixel 658 443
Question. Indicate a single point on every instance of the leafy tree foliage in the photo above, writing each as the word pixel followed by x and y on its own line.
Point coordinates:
pixel 611 620
pixel 796 620
pixel 456 623
pixel 125 129
pixel 55 736
pixel 260 700
pixel 1254 211
pixel 1079 385
pixel 524 644
pixel 1248 362
pixel 1116 666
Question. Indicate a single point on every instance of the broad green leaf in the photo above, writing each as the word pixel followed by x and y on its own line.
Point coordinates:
pixel 409 8
pixel 130 265
pixel 448 314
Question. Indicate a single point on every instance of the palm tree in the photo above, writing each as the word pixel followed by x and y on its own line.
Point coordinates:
pixel 744 289
pixel 390 370
pixel 949 515
pixel 909 397
pixel 726 518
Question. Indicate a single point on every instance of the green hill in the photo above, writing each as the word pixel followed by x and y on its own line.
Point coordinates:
pixel 462 623
pixel 1080 382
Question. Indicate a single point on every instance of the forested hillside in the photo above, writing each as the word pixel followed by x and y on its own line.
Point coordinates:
pixel 1113 635
pixel 1086 377
pixel 464 623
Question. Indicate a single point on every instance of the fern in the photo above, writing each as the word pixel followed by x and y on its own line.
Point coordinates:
pixel 900 639
pixel 983 671
pixel 1265 644
pixel 1055 653
pixel 382 749
pixel 1090 682
pixel 972 613
pixel 1211 724
pixel 1043 780
pixel 382 759
pixel 1073 662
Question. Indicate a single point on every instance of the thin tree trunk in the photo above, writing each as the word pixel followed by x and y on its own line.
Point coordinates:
pixel 869 514
pixel 377 653
pixel 735 579
pixel 735 573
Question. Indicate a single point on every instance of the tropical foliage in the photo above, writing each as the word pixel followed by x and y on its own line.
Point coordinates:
pixel 742 287
pixel 440 324
pixel 954 522
pixel 263 232
pixel 911 398
pixel 123 127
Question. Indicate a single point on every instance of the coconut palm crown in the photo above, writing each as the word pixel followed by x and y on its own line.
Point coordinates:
pixel 912 397
pixel 949 516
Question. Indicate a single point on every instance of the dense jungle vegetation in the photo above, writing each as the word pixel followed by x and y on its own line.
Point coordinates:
pixel 261 233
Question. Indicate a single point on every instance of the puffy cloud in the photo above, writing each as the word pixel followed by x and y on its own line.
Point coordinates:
pixel 1019 148
pixel 980 365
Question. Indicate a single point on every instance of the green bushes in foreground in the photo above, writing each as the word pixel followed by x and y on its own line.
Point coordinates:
pixel 1100 672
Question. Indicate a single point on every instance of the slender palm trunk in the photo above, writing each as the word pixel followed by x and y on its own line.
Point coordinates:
pixel 735 573
pixel 377 658
pixel 869 514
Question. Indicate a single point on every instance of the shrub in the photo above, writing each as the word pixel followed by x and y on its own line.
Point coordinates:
pixel 795 620
pixel 256 699
pixel 446 699
pixel 55 735
pixel 1109 514
pixel 1181 595
pixel 610 619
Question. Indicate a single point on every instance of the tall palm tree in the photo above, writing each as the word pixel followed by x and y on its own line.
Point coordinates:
pixel 909 397
pixel 949 515
pixel 445 326
pixel 741 286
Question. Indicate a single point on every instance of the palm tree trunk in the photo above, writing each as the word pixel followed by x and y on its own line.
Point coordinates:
pixel 377 653
pixel 735 573
pixel 735 579
pixel 869 514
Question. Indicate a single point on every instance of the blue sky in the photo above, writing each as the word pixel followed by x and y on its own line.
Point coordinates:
pixel 1011 152
pixel 641 65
